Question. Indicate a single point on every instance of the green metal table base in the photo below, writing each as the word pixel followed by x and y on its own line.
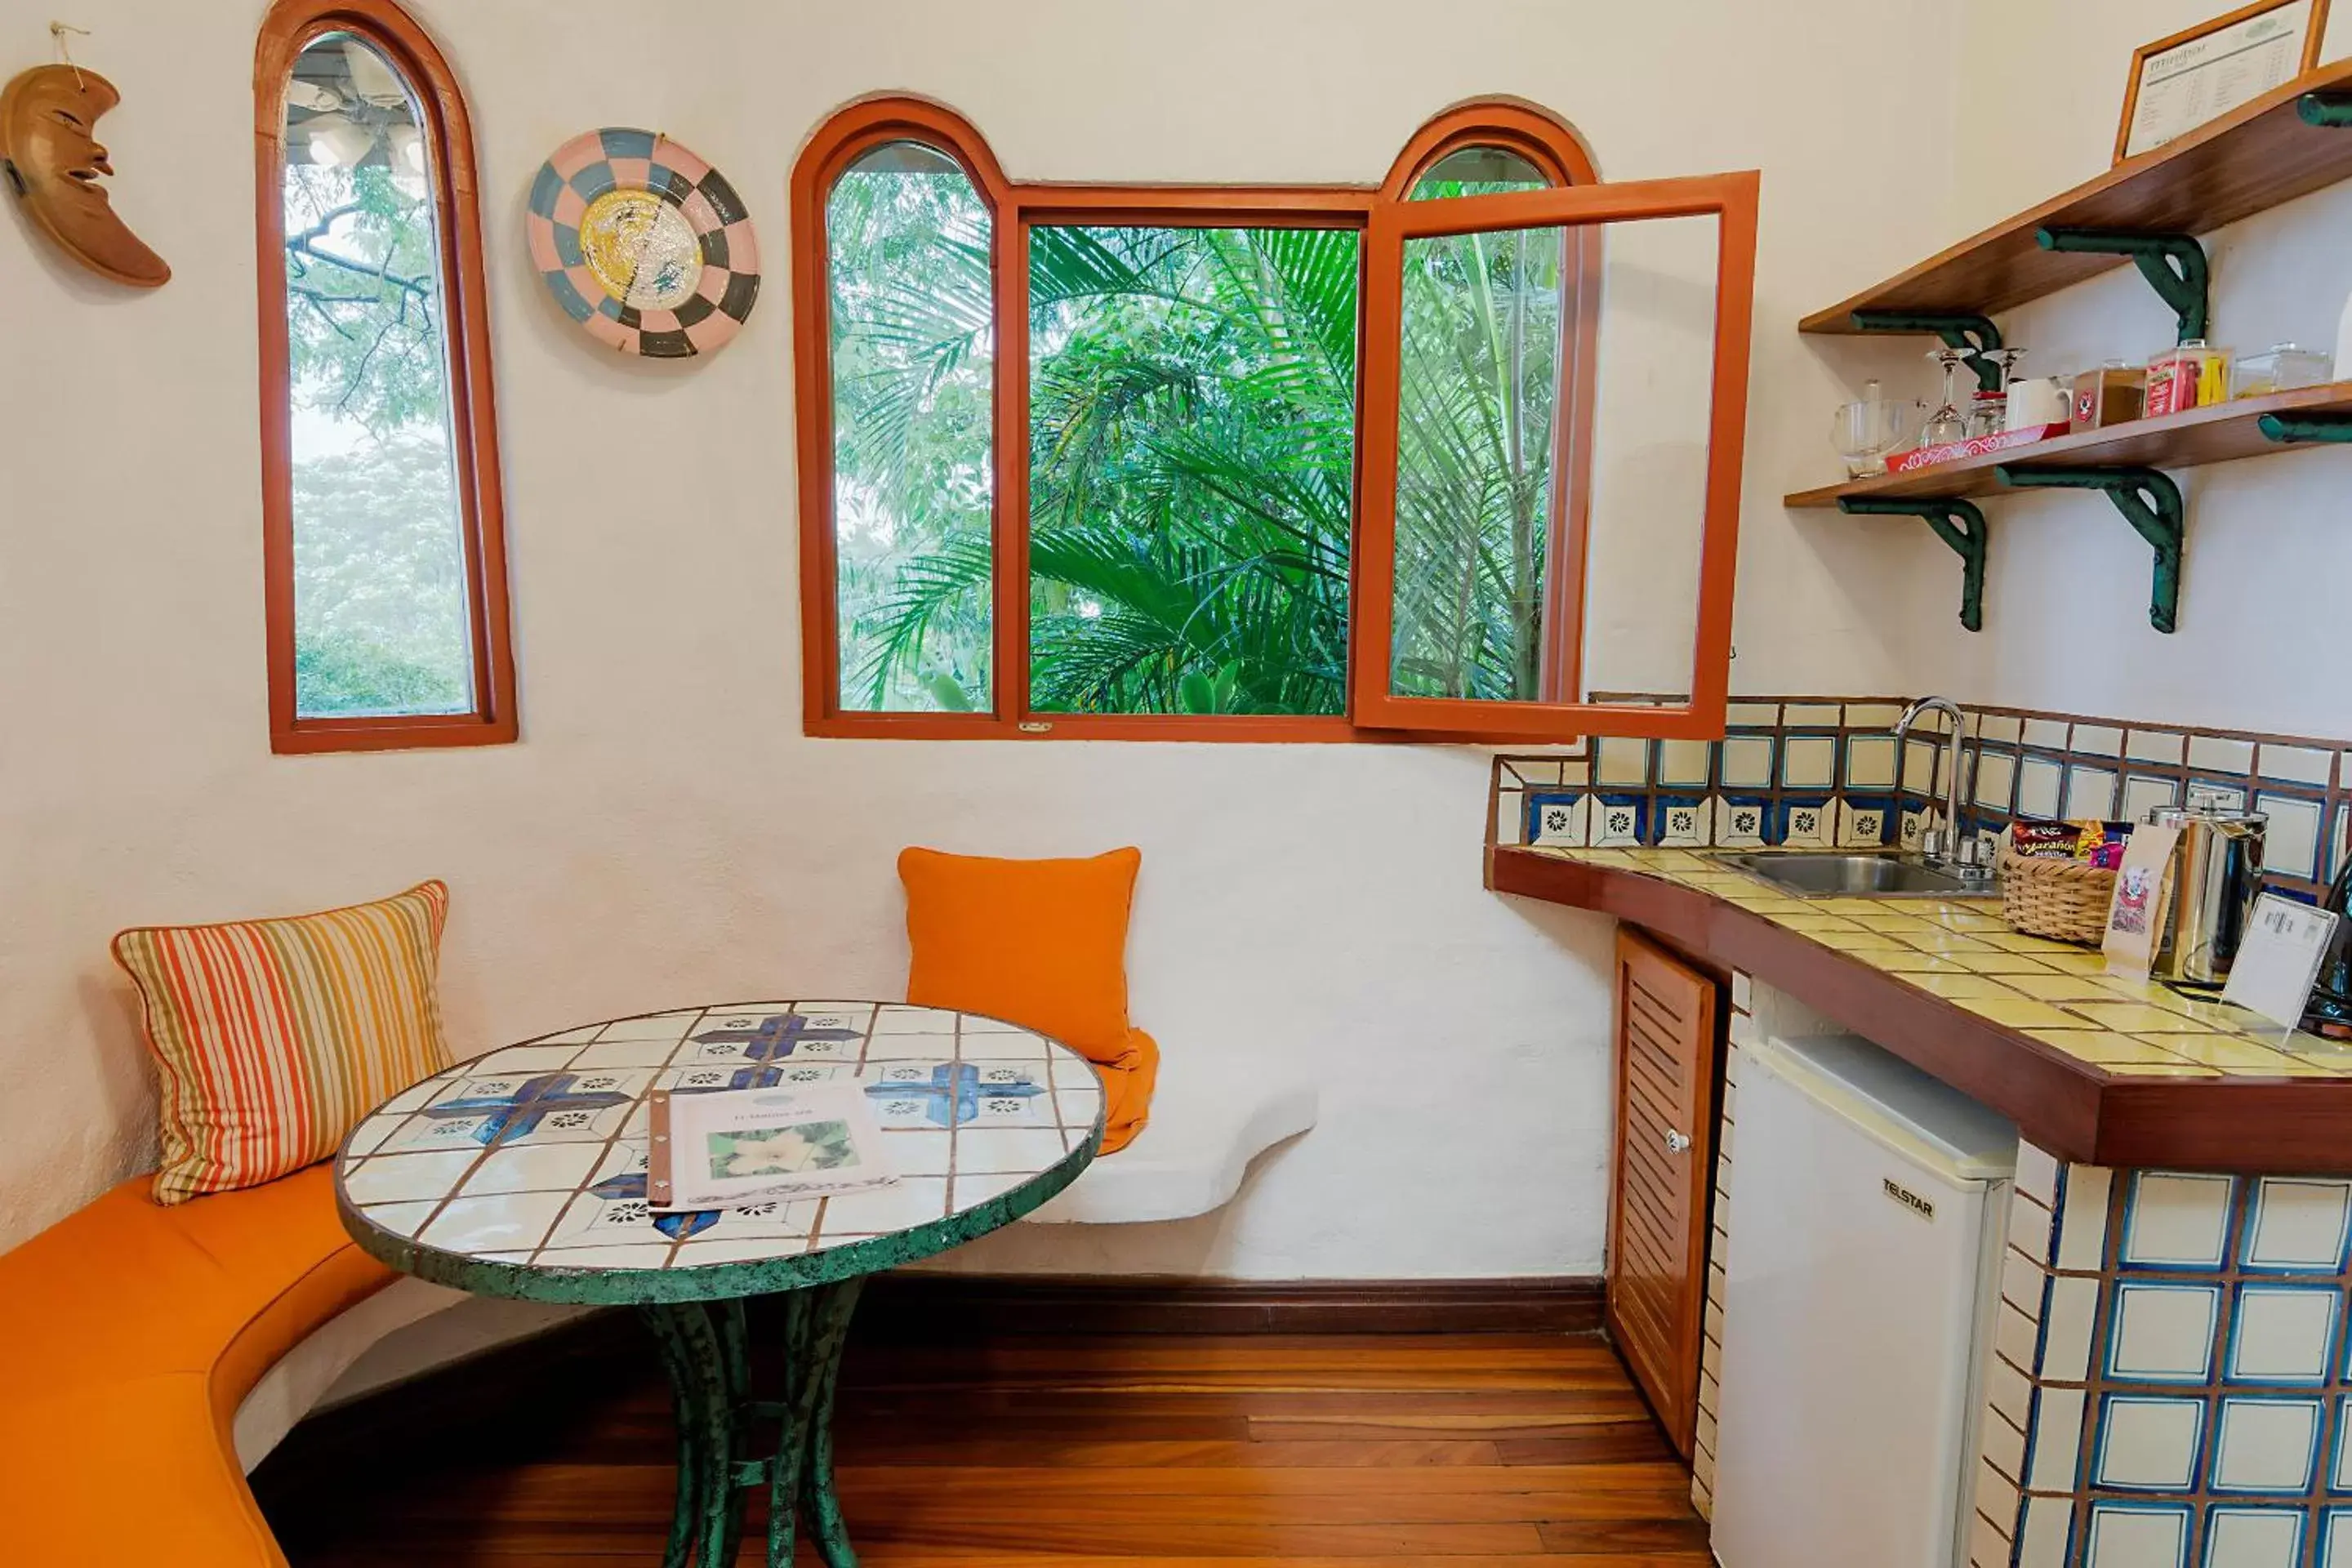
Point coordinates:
pixel 707 1352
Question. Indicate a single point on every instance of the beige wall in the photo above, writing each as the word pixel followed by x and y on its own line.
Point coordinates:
pixel 663 832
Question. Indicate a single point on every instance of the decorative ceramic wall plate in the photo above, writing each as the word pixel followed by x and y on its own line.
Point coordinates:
pixel 643 242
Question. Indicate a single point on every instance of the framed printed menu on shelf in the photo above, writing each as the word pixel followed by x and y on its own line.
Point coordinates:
pixel 2180 82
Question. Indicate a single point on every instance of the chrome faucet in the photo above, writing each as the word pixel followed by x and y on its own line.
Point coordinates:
pixel 1964 848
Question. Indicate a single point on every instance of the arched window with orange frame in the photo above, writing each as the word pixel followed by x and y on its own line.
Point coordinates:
pixel 1253 463
pixel 384 529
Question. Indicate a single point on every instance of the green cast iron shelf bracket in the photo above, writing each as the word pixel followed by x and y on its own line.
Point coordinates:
pixel 2173 264
pixel 1969 334
pixel 2329 110
pixel 1958 523
pixel 2292 427
pixel 2149 501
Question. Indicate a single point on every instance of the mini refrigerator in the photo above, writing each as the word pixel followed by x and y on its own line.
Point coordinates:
pixel 1868 1207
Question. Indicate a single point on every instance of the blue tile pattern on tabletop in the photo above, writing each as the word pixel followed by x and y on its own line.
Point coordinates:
pixel 778 1035
pixel 521 1112
pixel 952 1095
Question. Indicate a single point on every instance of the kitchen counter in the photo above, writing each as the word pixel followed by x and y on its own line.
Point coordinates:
pixel 2092 1069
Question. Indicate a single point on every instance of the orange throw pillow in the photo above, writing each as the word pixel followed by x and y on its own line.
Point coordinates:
pixel 1042 944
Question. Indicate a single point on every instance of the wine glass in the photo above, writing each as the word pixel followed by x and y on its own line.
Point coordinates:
pixel 1947 423
pixel 1989 409
pixel 1864 431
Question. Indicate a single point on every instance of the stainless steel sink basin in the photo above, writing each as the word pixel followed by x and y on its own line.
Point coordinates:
pixel 1860 877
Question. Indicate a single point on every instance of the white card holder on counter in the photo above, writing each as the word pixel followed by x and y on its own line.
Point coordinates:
pixel 2279 960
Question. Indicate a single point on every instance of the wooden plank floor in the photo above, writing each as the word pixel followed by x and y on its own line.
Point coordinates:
pixel 1472 1451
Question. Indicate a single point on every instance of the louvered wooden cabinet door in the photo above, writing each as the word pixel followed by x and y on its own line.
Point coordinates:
pixel 1665 1073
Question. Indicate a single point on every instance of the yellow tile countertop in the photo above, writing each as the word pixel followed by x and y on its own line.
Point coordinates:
pixel 2055 991
pixel 2093 1067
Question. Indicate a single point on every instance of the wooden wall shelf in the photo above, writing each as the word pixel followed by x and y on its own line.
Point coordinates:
pixel 2252 159
pixel 2214 434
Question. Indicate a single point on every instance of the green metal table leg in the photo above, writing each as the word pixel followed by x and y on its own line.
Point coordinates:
pixel 706 1354
pixel 784 1478
pixel 676 1363
pixel 824 1504
pixel 735 1352
pixel 707 1520
pixel 816 1327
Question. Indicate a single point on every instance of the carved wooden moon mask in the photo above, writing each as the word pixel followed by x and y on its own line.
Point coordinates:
pixel 51 155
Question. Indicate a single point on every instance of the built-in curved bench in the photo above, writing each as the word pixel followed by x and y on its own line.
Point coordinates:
pixel 130 1335
pixel 1207 1125
pixel 151 1357
pixel 178 1346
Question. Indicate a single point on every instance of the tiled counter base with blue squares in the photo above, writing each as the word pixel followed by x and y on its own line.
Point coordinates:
pixel 2171 1378
pixel 2168 1385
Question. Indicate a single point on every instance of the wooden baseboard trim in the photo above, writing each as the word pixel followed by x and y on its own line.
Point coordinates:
pixel 918 1305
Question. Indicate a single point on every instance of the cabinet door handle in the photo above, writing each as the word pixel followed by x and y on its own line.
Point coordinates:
pixel 1676 1143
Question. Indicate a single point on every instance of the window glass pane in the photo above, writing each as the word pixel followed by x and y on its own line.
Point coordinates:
pixel 1478 388
pixel 1510 588
pixel 914 357
pixel 1478 171
pixel 381 621
pixel 1192 448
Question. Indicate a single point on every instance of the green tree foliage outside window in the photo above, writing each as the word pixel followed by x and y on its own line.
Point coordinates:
pixel 1192 435
pixel 1478 387
pixel 381 619
pixel 913 354
pixel 1478 381
pixel 1192 455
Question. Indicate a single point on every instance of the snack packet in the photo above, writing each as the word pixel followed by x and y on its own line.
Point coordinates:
pixel 2101 844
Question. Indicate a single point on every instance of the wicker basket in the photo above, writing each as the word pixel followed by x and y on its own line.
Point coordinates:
pixel 2063 899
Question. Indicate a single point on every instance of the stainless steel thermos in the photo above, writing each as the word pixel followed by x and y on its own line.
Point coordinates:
pixel 2216 868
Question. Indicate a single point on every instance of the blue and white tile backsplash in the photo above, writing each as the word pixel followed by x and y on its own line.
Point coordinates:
pixel 1822 773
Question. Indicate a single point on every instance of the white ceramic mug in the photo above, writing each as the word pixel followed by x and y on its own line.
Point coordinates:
pixel 2043 400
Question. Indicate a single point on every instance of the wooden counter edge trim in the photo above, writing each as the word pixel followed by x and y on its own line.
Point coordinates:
pixel 2068 1108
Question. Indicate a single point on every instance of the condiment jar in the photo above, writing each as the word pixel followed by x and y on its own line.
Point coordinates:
pixel 2178 378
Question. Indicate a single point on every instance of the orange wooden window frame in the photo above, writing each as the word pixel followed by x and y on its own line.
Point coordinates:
pixel 448 139
pixel 1015 208
pixel 1731 199
pixel 1554 149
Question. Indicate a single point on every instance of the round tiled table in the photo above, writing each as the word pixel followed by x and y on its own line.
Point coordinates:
pixel 522 1173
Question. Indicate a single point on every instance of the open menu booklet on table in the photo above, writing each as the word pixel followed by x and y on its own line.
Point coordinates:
pixel 808 1140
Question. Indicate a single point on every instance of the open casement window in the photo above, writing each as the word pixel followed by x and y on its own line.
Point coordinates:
pixel 1552 457
pixel 1093 461
pixel 383 524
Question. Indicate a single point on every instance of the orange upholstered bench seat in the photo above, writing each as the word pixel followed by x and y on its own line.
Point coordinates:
pixel 129 1334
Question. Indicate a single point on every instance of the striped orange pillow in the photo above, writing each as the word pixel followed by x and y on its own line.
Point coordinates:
pixel 273 1037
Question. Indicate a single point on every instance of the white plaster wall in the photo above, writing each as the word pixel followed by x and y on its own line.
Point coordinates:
pixel 2269 556
pixel 663 833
